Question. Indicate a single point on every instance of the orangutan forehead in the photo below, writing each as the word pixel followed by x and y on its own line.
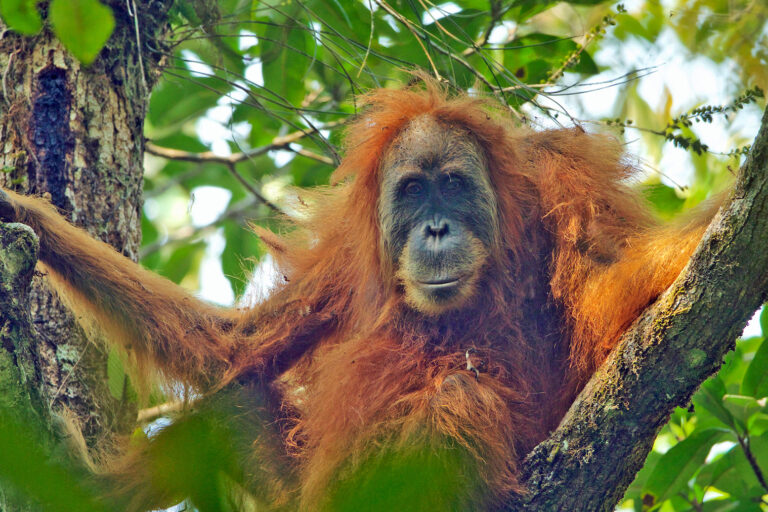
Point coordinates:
pixel 427 144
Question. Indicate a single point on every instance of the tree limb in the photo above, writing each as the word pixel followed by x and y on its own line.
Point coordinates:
pixel 188 233
pixel 282 142
pixel 603 441
pixel 152 413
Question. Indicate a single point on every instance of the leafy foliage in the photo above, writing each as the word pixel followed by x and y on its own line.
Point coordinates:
pixel 253 101
pixel 83 26
pixel 21 16
pixel 29 468
pixel 714 456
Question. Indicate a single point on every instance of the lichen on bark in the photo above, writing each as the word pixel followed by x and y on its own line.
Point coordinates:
pixel 18 256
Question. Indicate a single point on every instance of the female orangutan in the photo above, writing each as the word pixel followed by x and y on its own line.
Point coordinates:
pixel 444 301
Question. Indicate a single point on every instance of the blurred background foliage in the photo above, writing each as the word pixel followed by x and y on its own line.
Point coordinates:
pixel 253 101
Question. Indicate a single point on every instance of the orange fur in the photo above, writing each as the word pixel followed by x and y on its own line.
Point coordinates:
pixel 579 257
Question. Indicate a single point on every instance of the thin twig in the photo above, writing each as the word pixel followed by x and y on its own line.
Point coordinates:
pixel 281 142
pixel 311 154
pixel 133 13
pixel 208 156
pixel 250 188
pixel 68 375
pixel 744 442
pixel 513 88
pixel 370 41
pixel 188 233
pixel 402 19
pixel 282 102
pixel 496 15
pixel 230 161
pixel 444 51
pixel 152 413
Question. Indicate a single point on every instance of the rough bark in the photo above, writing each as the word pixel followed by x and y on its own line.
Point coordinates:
pixel 18 255
pixel 661 361
pixel 19 397
pixel 74 133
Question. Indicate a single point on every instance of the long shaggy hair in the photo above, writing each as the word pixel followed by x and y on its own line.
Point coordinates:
pixel 578 257
pixel 338 368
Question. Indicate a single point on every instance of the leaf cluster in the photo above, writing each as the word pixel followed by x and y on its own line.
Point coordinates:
pixel 83 26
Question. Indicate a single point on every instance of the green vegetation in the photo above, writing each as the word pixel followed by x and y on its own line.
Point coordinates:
pixel 253 100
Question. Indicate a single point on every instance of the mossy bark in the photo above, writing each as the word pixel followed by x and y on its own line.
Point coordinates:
pixel 75 134
pixel 20 400
pixel 18 255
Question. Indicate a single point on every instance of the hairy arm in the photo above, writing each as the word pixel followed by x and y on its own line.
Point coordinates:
pixel 612 296
pixel 612 259
pixel 156 321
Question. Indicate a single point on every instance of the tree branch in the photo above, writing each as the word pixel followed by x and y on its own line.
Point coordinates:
pixel 282 142
pixel 744 443
pixel 152 413
pixel 603 441
pixel 188 233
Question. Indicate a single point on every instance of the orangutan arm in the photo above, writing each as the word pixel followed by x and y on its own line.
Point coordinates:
pixel 156 321
pixel 611 297
pixel 612 258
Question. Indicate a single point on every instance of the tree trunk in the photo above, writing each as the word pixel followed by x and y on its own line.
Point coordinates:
pixel 75 134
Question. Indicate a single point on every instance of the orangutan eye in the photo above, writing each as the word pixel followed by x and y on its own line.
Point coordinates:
pixel 414 188
pixel 451 184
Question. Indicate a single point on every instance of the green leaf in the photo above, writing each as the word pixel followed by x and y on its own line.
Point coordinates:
pixel 309 173
pixel 241 247
pixel 680 463
pixel 742 407
pixel 27 468
pixel 349 18
pixel 183 260
pixel 21 16
pixel 710 398
pixel 284 62
pixel 521 10
pixel 755 381
pixel 759 447
pixel 533 57
pixel 665 200
pixel 83 26
pixel 175 102
pixel 416 475
pixel 627 24
pixel 758 424
pixel 736 363
pixel 729 473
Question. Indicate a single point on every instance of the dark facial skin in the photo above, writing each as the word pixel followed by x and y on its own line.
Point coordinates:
pixel 437 213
